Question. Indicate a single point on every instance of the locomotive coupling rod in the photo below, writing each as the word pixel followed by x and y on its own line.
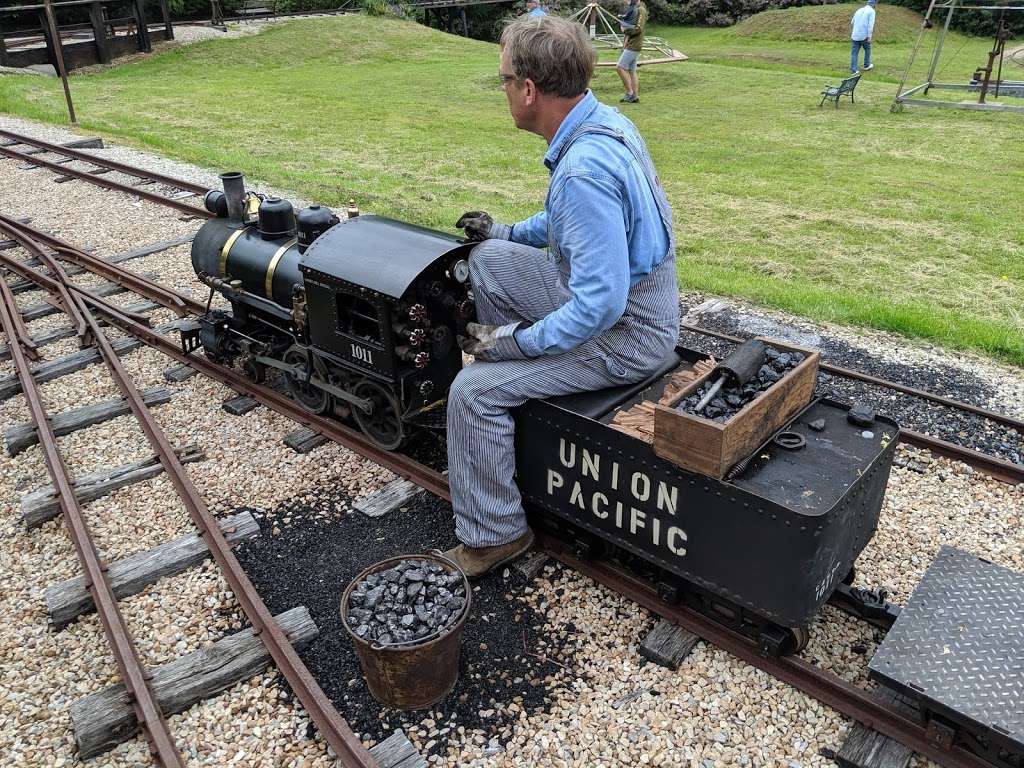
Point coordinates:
pixel 299 373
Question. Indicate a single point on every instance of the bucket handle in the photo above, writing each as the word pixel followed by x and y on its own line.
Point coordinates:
pixel 377 646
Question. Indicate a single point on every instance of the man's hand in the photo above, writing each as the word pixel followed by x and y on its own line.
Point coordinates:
pixel 476 223
pixel 481 339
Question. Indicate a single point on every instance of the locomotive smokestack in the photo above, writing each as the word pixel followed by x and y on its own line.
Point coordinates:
pixel 234 191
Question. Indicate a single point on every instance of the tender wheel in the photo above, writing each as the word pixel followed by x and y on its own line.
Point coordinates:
pixel 796 640
pixel 384 424
pixel 311 398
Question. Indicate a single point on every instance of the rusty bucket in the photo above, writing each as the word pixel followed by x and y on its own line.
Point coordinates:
pixel 418 673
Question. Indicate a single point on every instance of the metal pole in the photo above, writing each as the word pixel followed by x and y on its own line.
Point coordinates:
pixel 58 50
pixel 938 46
pixel 913 55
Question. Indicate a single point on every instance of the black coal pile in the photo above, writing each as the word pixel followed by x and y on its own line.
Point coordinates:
pixel 730 399
pixel 414 600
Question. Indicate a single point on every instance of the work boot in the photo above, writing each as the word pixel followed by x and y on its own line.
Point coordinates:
pixel 476 561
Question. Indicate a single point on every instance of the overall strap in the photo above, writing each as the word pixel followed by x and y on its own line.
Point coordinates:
pixel 645 163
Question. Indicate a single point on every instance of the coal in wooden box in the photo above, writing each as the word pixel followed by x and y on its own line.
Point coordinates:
pixel 712 448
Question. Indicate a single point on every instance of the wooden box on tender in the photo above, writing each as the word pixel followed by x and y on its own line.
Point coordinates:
pixel 711 448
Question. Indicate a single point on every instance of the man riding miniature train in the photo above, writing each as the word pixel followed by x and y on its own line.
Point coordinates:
pixel 599 308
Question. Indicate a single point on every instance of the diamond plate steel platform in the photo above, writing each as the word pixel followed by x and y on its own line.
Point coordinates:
pixel 958 647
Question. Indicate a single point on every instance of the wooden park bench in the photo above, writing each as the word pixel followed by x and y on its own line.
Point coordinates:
pixel 833 92
pixel 256 8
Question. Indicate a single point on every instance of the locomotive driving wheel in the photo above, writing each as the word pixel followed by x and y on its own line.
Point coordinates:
pixel 312 398
pixel 383 424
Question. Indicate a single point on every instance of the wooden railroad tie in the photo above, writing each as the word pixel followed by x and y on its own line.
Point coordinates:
pixel 867 748
pixel 395 494
pixel 396 751
pixel 179 373
pixel 69 599
pixel 104 719
pixel 531 564
pixel 304 440
pixel 42 505
pixel 668 644
pixel 240 405
pixel 21 436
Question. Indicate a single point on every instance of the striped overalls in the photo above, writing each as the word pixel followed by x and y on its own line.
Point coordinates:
pixel 513 282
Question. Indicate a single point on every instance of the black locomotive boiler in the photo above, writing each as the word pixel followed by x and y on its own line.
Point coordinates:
pixel 360 317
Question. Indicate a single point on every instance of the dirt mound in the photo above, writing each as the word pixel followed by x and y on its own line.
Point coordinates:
pixel 828 23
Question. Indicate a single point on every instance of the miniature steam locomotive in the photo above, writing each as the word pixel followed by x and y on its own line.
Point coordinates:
pixel 361 318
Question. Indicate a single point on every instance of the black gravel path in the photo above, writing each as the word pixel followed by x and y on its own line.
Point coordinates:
pixel 955 426
pixel 311 561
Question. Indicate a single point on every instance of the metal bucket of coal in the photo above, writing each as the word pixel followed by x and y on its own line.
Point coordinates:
pixel 405 616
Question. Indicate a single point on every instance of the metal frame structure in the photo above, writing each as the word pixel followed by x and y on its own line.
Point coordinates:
pixel 912 96
pixel 593 15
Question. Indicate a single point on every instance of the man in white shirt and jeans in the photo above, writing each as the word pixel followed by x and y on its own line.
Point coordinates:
pixel 863 25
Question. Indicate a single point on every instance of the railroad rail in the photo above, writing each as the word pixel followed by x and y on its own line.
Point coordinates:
pixel 995 467
pixel 104 165
pixel 825 686
pixel 76 304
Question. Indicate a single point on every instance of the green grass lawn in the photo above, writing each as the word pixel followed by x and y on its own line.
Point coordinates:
pixel 910 222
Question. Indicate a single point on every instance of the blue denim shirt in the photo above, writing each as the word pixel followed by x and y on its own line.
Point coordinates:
pixel 601 215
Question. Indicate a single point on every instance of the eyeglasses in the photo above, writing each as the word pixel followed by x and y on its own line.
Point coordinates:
pixel 506 79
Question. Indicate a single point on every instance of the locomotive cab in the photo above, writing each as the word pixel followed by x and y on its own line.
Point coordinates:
pixel 389 299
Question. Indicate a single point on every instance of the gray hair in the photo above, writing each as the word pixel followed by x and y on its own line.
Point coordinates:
pixel 553 52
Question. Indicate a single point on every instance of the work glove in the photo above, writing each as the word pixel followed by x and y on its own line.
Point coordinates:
pixel 481 338
pixel 477 224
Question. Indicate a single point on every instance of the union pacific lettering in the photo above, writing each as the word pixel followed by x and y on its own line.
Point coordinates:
pixel 601 489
